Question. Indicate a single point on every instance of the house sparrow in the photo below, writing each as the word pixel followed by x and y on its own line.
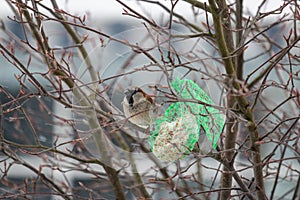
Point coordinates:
pixel 139 107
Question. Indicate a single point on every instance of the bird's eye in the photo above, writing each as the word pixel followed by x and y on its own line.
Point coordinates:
pixel 135 91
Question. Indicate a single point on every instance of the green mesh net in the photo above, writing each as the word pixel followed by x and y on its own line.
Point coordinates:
pixel 177 131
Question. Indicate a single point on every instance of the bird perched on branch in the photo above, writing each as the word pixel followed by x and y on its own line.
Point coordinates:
pixel 139 107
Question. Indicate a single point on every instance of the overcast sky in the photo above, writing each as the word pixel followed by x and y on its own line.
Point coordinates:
pixel 108 9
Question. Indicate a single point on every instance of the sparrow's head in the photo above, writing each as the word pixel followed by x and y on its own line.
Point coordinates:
pixel 136 95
